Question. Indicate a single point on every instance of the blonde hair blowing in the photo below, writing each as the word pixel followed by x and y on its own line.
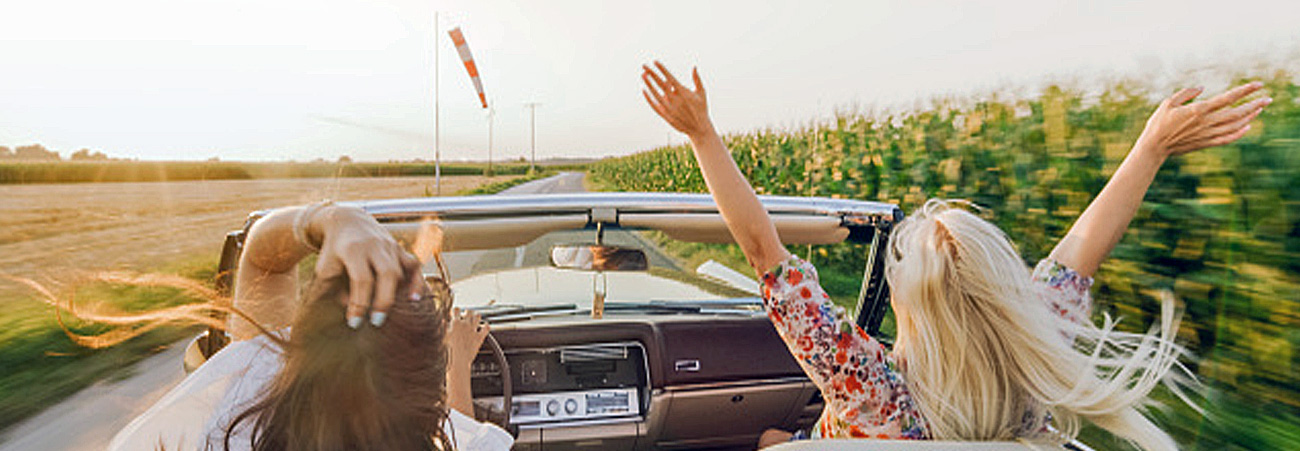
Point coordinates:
pixel 986 358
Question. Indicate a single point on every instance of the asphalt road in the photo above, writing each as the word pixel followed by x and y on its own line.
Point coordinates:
pixel 89 419
pixel 566 182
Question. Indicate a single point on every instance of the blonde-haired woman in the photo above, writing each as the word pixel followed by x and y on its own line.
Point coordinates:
pixel 986 348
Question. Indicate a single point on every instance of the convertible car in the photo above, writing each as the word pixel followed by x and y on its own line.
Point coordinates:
pixel 601 339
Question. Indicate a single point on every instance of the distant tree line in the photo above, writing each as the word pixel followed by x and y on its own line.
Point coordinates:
pixel 37 152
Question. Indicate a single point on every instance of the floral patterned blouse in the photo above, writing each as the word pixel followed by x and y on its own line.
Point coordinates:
pixel 864 391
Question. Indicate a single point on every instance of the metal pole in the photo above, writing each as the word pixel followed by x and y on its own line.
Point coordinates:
pixel 532 142
pixel 437 119
pixel 491 114
pixel 532 118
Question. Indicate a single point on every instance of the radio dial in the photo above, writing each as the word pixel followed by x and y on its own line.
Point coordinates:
pixel 552 407
pixel 571 406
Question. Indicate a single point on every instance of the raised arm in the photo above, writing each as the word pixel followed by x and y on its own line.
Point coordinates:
pixel 687 111
pixel 819 334
pixel 1177 127
pixel 350 242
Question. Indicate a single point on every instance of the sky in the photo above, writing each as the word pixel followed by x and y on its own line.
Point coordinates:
pixel 274 80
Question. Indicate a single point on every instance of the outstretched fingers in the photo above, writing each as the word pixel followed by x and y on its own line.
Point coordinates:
pixel 657 98
pixel 672 81
pixel 1232 96
pixel 1235 114
pixel 659 83
pixel 667 104
pixel 1183 96
pixel 654 105
pixel 1229 127
pixel 654 87
pixel 699 84
pixel 1212 141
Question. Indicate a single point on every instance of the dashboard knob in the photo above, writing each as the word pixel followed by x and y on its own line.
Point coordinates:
pixel 552 407
pixel 571 406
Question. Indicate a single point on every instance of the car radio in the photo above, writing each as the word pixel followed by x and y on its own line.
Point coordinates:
pixel 572 406
pixel 567 384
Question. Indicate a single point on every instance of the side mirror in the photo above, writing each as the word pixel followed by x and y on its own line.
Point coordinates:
pixel 594 257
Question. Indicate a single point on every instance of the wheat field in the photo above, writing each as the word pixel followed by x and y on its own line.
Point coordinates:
pixel 49 228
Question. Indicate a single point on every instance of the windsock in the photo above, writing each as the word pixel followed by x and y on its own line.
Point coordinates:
pixel 463 49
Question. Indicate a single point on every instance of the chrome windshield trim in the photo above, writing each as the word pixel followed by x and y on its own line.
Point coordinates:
pixel 447 208
pixel 601 207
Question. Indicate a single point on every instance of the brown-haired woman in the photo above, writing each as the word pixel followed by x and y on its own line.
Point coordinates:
pixel 399 381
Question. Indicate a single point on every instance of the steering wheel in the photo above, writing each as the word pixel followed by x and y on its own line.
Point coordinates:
pixel 486 412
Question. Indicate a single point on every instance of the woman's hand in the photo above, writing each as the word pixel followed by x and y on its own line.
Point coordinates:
pixel 684 109
pixel 1178 127
pixel 465 334
pixel 688 112
pixel 355 244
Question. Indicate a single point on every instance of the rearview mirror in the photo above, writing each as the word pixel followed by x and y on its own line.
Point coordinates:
pixel 594 257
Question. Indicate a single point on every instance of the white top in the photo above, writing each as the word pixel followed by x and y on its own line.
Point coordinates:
pixel 195 413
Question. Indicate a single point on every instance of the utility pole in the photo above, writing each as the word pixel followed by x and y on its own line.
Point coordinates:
pixel 532 118
pixel 437 120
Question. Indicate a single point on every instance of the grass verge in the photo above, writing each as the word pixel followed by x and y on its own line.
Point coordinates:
pixel 42 366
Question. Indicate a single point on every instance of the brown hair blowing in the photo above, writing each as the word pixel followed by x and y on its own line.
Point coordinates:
pixel 343 389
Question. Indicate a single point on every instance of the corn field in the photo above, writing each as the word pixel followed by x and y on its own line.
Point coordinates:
pixel 1220 227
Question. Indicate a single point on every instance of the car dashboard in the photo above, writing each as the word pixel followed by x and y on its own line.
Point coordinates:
pixel 646 382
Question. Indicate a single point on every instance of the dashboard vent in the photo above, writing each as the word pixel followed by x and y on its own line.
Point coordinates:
pixel 596 352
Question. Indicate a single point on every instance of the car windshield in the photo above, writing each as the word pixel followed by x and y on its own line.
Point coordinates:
pixel 524 276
